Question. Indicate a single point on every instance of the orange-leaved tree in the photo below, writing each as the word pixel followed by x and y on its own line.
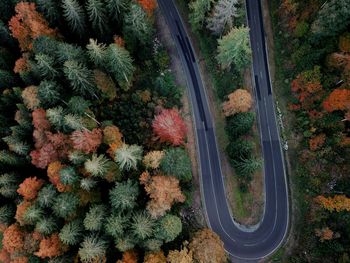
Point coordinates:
pixel 339 99
pixel 129 256
pixel 337 203
pixel 238 101
pixel 324 234
pixel 148 5
pixel 50 247
pixel 155 257
pixel 29 187
pixel 206 246
pixel 164 191
pixel 28 24
pixel 13 239
pixel 317 142
pixel 170 127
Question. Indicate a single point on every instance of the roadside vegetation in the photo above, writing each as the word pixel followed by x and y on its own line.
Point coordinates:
pixel 312 55
pixel 93 158
pixel 220 27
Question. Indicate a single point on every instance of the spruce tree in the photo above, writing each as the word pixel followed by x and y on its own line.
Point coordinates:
pixel 46 66
pixel 78 105
pixel 55 117
pixel 97 53
pixel 5 36
pixel 142 225
pixel 116 224
pixel 45 45
pixel 239 124
pixel 116 7
pixel 49 93
pixel 65 205
pixel 68 175
pixel 153 244
pixel 125 243
pixel 168 228
pixel 65 51
pixel 119 65
pixel 77 157
pixel 93 247
pixel 97 14
pixel 97 166
pixel 124 195
pixel 240 148
pixel 51 10
pixel 87 184
pixel 137 23
pixel 73 122
pixel 80 77
pixel 245 168
pixel 128 156
pixel 46 226
pixel 7 79
pixel 95 218
pixel 8 158
pixel 47 195
pixel 33 214
pixel 7 213
pixel 72 233
pixel 74 14
pixel 176 162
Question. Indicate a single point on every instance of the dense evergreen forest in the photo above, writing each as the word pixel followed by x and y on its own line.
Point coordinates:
pixel 312 40
pixel 93 158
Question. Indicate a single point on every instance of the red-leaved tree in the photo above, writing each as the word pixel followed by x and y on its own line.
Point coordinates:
pixel 87 141
pixel 148 5
pixel 170 127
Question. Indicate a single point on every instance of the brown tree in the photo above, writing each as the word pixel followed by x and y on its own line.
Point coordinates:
pixel 207 247
pixel 50 247
pixel 13 239
pixel 182 256
pixel 30 187
pixel 238 101
pixel 155 257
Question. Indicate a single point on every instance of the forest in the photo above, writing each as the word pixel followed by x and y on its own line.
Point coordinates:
pixel 312 55
pixel 93 151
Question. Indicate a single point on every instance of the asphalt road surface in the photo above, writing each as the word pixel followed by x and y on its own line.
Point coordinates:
pixel 242 244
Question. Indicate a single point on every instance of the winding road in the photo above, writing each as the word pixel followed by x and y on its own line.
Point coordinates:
pixel 242 244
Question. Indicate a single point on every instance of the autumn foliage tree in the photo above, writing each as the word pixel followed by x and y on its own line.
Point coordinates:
pixel 339 99
pixel 28 24
pixel 239 101
pixel 324 234
pixel 170 127
pixel 206 246
pixel 164 191
pixel 30 187
pixel 337 203
pixel 148 5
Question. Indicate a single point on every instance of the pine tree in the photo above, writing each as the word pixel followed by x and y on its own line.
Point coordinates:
pixel 7 213
pixel 93 248
pixel 240 148
pixel 80 77
pixel 87 184
pixel 45 45
pixel 97 166
pixel 94 219
pixel 124 195
pixel 65 205
pixel 142 225
pixel 97 14
pixel 128 156
pixel 222 16
pixel 136 21
pixel 115 225
pixel 97 53
pixel 198 12
pixel 169 227
pixel 49 93
pixel 8 158
pixel 119 65
pixel 234 48
pixel 46 226
pixel 72 233
pixel 46 66
pixel 8 185
pixel 47 196
pixel 17 146
pixel 176 162
pixel 77 157
pixel 75 16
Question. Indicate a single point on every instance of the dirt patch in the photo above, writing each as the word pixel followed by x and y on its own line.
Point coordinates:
pixel 166 39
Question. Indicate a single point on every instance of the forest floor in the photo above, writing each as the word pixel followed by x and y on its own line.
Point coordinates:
pixel 166 39
pixel 246 208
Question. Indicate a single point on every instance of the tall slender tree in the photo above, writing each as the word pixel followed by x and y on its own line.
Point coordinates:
pixel 97 15
pixel 75 16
